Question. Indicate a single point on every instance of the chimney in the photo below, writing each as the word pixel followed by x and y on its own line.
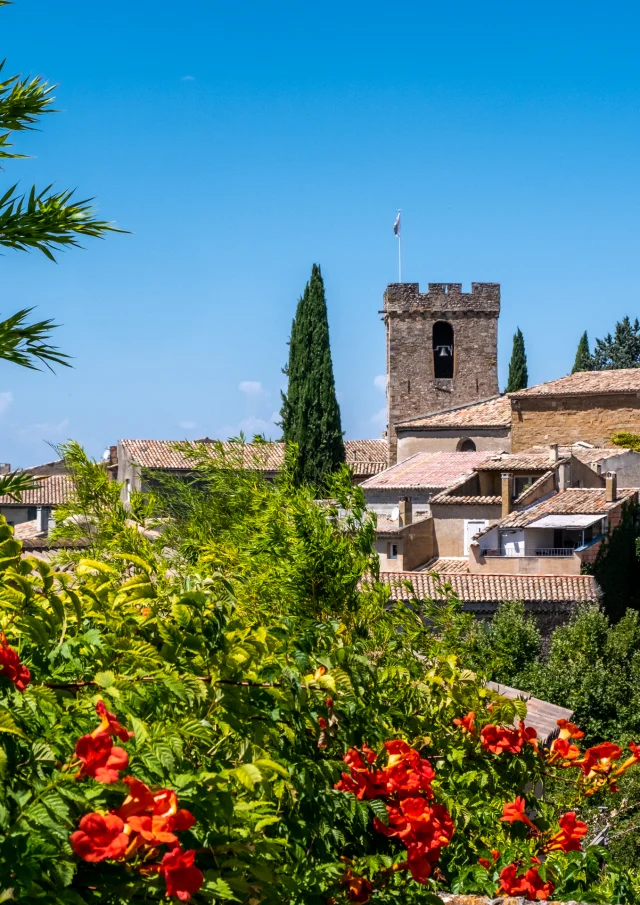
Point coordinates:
pixel 611 491
pixel 113 455
pixel 553 452
pixel 507 494
pixel 5 468
pixel 564 476
pixel 406 511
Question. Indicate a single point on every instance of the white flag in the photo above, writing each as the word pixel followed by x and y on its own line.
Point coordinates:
pixel 396 225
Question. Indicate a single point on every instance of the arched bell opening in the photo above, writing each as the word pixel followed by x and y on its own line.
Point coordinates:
pixel 443 349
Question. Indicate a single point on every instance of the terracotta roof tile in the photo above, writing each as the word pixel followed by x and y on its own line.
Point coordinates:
pixel 51 491
pixel 493 412
pixel 573 501
pixel 526 461
pixel 366 457
pixel 426 470
pixel 496 588
pixel 625 380
pixel 444 566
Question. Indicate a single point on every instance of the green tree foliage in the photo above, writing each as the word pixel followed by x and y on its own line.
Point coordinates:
pixel 244 670
pixel 518 374
pixel 507 646
pixel 583 360
pixel 622 350
pixel 617 567
pixel 627 440
pixel 310 411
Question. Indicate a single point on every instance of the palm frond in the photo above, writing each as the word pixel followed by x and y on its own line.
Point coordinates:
pixel 16 483
pixel 47 221
pixel 25 344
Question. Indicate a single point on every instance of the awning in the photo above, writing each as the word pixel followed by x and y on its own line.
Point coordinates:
pixel 566 521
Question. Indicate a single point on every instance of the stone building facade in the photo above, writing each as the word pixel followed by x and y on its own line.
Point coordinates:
pixel 442 349
pixel 588 406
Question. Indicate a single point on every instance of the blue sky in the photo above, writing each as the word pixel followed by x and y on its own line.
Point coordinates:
pixel 241 142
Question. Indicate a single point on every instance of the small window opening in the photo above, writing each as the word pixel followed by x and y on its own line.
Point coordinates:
pixel 443 349
pixel 393 551
pixel 467 446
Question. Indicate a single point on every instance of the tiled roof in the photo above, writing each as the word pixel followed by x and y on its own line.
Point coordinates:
pixel 450 497
pixel 496 588
pixel 366 457
pixel 493 412
pixel 426 470
pixel 526 461
pixel 385 527
pixel 51 491
pixel 542 715
pixel 445 566
pixel 573 501
pixel 626 380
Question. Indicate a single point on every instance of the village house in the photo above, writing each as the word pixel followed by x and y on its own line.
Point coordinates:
pixel 34 513
pixel 482 426
pixel 590 406
pixel 443 523
pixel 551 599
pixel 134 462
pixel 556 536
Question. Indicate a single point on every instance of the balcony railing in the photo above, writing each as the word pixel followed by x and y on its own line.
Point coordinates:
pixel 554 551
pixel 539 551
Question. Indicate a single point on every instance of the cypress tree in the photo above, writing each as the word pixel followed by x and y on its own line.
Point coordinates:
pixel 310 411
pixel 583 360
pixel 518 375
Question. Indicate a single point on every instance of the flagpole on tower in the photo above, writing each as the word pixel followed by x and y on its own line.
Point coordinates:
pixel 398 232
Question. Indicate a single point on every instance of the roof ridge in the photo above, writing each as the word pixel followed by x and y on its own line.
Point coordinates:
pixel 454 408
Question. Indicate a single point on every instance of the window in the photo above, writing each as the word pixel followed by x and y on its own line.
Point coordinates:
pixel 466 445
pixel 32 513
pixel 443 350
pixel 521 482
pixel 393 551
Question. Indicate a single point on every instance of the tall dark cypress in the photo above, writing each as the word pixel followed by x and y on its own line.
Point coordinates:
pixel 518 374
pixel 583 360
pixel 310 411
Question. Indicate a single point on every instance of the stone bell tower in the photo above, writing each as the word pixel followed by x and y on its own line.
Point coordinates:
pixel 442 349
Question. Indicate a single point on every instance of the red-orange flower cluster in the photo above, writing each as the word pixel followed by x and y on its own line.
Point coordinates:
pixel 530 884
pixel 144 821
pixel 568 837
pixel 514 813
pixel 101 759
pixel 11 667
pixel 484 862
pixel 501 739
pixel 359 888
pixel 466 723
pixel 405 786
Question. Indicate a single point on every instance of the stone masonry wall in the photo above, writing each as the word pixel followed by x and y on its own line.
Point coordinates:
pixel 565 420
pixel 409 316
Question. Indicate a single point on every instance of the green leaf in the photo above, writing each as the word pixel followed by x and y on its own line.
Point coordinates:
pixel 105 679
pixel 248 775
pixel 379 808
pixel 272 765
pixel 7 725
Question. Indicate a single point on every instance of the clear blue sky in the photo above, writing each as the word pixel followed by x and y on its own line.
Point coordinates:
pixel 240 142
